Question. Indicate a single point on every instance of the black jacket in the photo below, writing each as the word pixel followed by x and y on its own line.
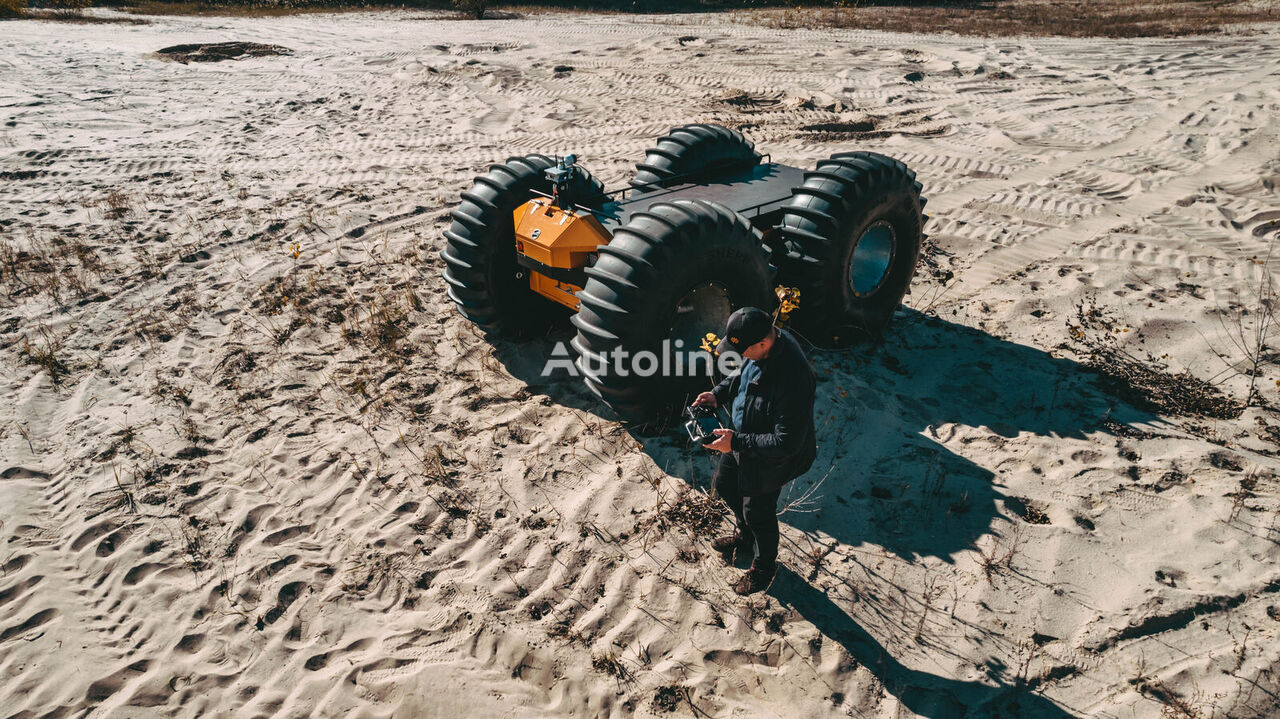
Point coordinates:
pixel 776 442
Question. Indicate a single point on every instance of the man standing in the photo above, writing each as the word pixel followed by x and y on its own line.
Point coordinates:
pixel 770 401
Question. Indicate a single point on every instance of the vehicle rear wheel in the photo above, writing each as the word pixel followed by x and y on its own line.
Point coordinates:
pixel 672 273
pixel 482 276
pixel 694 153
pixel 852 233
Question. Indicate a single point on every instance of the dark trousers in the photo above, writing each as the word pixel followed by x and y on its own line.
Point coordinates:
pixel 757 514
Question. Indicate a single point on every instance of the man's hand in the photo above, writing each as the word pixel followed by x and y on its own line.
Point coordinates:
pixel 724 438
pixel 706 399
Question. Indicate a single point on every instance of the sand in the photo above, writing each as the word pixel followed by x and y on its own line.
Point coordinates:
pixel 254 463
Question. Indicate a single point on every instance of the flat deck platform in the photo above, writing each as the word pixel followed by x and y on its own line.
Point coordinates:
pixel 762 190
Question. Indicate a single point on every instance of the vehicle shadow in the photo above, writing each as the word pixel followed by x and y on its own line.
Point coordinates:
pixel 886 418
pixel 899 428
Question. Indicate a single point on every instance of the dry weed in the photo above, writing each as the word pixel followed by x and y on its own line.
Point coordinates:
pixel 1243 492
pixel 696 511
pixel 1173 705
pixel 1064 18
pixel 610 664
pixel 13 8
pixel 54 267
pixel 999 556
pixel 46 353
pixel 1146 383
pixel 233 9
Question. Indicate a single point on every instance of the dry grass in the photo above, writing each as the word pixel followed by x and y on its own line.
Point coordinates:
pixel 13 8
pixel 999 556
pixel 381 324
pixel 1064 18
pixel 612 665
pixel 45 351
pixel 221 9
pixel 696 511
pixel 1243 493
pixel 1172 704
pixel 1144 382
pixel 60 268
pixel 1068 18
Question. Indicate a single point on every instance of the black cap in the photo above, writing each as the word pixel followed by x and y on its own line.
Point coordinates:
pixel 745 327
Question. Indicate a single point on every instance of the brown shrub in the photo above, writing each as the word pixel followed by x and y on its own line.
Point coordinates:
pixel 13 8
pixel 68 7
pixel 475 8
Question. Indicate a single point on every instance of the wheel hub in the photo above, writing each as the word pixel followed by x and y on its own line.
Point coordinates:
pixel 870 259
pixel 705 308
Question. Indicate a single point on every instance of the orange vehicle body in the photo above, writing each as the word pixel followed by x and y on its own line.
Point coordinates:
pixel 555 241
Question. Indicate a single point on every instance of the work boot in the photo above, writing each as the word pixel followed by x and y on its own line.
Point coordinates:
pixel 727 543
pixel 756 579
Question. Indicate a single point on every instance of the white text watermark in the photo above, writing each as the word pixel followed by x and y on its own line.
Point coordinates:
pixel 672 360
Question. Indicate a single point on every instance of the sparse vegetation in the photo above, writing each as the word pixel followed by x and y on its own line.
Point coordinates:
pixel 998 557
pixel 125 493
pixel 1249 329
pixel 474 8
pixel 60 268
pixel 166 389
pixel 1173 705
pixel 68 7
pixel 1144 382
pixel 45 352
pixel 1108 18
pixel 696 511
pixel 381 325
pixel 1243 492
pixel 13 8
pixel 667 698
pixel 610 664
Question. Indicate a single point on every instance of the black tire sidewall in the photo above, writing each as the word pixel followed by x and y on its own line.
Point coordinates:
pixel 523 311
pixel 712 149
pixel 515 310
pixel 691 254
pixel 871 312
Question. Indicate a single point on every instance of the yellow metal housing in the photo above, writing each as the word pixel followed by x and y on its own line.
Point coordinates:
pixel 554 241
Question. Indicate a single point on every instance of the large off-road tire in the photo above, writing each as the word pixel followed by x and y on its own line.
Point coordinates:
pixel 481 272
pixel 853 235
pixel 673 272
pixel 694 153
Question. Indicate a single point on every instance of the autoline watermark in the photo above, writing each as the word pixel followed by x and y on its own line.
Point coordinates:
pixel 672 360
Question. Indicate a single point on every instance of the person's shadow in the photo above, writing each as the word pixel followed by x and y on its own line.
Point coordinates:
pixel 884 477
pixel 925 694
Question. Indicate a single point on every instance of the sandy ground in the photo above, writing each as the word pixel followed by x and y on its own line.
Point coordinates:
pixel 278 475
